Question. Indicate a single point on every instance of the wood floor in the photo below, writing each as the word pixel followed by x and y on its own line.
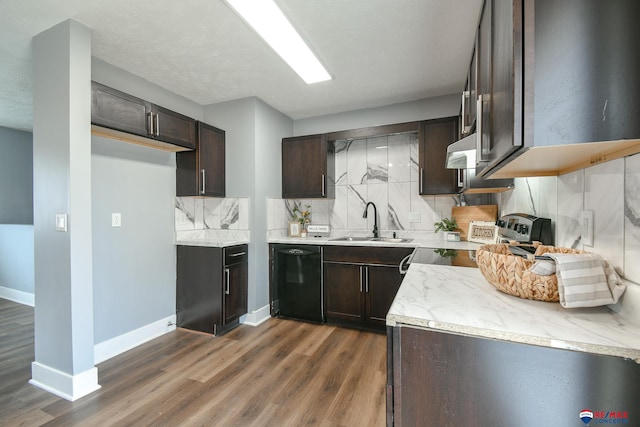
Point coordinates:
pixel 281 373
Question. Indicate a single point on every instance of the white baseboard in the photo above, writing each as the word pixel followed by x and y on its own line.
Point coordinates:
pixel 69 387
pixel 20 297
pixel 115 346
pixel 256 317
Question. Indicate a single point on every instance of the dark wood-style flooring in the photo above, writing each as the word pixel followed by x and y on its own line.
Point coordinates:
pixel 281 373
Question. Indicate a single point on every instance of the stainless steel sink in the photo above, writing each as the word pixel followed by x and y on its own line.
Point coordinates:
pixel 370 239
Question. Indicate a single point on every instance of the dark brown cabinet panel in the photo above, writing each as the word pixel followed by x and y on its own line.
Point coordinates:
pixel 436 378
pixel 113 109
pixel 360 284
pixel 304 167
pixel 236 283
pixel 174 128
pixel 343 291
pixel 435 135
pixel 198 288
pixel 122 112
pixel 202 172
pixel 382 284
pixel 561 74
pixel 211 287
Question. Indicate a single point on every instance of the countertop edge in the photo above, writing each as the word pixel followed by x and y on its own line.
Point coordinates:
pixel 470 331
pixel 212 244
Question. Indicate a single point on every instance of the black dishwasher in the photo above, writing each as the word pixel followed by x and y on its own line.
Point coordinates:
pixel 297 284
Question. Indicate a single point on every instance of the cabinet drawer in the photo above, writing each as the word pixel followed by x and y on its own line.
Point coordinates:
pixel 235 254
pixel 365 255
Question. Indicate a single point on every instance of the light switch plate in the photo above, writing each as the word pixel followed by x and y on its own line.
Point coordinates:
pixel 586 227
pixel 61 222
pixel 116 220
pixel 414 216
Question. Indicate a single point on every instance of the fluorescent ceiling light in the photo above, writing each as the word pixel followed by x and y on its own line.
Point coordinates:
pixel 270 23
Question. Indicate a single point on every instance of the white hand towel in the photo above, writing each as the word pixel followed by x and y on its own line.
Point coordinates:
pixel 586 280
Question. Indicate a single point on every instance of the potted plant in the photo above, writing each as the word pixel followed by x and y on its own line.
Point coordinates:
pixel 448 226
pixel 303 216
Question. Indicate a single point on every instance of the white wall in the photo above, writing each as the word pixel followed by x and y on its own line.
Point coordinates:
pixel 133 265
pixel 16 263
pixel 16 177
pixel 253 137
pixel 430 108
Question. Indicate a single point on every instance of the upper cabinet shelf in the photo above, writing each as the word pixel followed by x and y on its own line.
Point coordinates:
pixel 557 85
pixel 115 114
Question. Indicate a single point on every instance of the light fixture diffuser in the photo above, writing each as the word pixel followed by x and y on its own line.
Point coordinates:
pixel 266 18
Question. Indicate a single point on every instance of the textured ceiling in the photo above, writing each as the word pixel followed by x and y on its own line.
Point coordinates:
pixel 380 52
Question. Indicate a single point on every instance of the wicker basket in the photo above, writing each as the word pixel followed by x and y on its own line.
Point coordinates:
pixel 510 273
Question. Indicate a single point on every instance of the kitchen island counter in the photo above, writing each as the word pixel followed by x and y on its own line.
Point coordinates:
pixel 461 301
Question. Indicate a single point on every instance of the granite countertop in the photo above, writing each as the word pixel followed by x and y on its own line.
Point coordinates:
pixel 460 300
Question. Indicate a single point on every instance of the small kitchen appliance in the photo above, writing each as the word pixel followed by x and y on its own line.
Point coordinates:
pixel 524 228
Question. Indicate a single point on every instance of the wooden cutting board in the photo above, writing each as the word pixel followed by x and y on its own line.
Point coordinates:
pixel 465 214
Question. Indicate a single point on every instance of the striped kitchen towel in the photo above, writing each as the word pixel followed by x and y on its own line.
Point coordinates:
pixel 586 280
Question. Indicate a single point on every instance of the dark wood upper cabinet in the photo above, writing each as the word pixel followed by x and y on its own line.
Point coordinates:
pixel 202 172
pixel 117 110
pixel 174 128
pixel 305 172
pixel 434 137
pixel 124 113
pixel 563 74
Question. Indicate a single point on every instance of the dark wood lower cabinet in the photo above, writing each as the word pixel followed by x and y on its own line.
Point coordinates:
pixel 442 379
pixel 360 284
pixel 211 287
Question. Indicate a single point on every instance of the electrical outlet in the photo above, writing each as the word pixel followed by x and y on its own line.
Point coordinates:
pixel 116 220
pixel 414 216
pixel 586 227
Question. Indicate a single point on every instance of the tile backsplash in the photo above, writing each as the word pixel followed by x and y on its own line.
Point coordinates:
pixel 611 190
pixel 219 219
pixel 382 170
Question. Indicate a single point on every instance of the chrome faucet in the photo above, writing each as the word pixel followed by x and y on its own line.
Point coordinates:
pixel 375 217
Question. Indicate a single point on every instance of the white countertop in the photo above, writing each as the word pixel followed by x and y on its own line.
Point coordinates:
pixel 460 300
pixel 435 242
pixel 212 238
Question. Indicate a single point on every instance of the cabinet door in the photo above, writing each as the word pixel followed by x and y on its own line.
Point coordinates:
pixel 381 288
pixel 235 282
pixel 235 295
pixel 587 71
pixel 199 288
pixel 211 160
pixel 343 296
pixel 435 136
pixel 174 128
pixel 483 46
pixel 113 109
pixel 304 167
pixel 202 172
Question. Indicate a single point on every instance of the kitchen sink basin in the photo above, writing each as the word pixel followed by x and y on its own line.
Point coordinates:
pixel 370 239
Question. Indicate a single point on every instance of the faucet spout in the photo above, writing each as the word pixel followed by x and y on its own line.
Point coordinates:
pixel 375 217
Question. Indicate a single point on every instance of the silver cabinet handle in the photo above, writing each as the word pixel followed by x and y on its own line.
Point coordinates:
pixel 366 279
pixel 361 278
pixel 323 190
pixel 461 174
pixel 479 156
pixel 238 254
pixel 420 179
pixel 226 289
pixel 203 186
pixel 465 95
pixel 157 125
pixel 149 123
